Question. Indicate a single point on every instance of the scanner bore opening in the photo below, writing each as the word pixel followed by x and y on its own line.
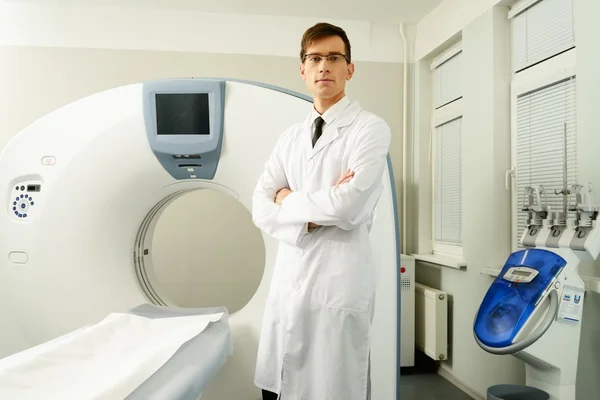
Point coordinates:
pixel 254 263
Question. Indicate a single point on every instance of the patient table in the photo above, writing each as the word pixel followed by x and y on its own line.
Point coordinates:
pixel 146 353
pixel 194 365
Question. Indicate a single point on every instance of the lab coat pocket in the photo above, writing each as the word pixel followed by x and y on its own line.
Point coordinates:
pixel 343 278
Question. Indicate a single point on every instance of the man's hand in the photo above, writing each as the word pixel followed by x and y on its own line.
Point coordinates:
pixel 345 178
pixel 284 192
pixel 281 195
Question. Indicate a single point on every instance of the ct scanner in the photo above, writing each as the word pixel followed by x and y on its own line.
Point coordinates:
pixel 83 188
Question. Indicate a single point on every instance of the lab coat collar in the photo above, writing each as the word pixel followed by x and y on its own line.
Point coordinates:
pixel 341 114
pixel 332 113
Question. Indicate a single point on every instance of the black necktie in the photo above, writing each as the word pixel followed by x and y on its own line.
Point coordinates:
pixel 318 130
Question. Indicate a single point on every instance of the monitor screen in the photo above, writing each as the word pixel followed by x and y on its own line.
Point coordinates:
pixel 521 273
pixel 182 114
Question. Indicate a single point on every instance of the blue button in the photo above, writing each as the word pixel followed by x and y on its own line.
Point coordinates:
pixel 14 208
pixel 24 215
pixel 31 203
pixel 17 198
pixel 23 206
pixel 16 213
pixel 21 196
pixel 20 215
pixel 31 199
pixel 14 203
pixel 26 196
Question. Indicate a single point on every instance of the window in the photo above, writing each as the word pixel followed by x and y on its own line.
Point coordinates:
pixel 546 142
pixel 447 78
pixel 448 210
pixel 541 30
pixel 446 146
pixel 544 137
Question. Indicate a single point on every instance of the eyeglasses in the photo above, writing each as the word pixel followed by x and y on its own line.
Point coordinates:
pixel 334 58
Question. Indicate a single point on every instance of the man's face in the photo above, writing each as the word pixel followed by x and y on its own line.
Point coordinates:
pixel 325 69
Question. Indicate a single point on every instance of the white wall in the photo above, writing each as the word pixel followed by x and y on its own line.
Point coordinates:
pixel 446 21
pixel 485 152
pixel 56 55
pixel 128 28
pixel 483 27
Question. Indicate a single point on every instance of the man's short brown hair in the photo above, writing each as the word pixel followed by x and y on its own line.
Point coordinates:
pixel 320 31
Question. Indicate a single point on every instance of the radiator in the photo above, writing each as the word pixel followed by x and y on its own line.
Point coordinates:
pixel 431 321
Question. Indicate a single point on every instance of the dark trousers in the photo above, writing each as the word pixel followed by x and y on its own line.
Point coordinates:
pixel 268 395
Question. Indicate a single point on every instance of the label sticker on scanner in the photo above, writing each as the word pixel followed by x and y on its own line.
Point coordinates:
pixel 571 305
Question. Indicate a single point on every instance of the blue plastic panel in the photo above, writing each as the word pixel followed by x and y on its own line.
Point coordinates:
pixel 184 124
pixel 507 305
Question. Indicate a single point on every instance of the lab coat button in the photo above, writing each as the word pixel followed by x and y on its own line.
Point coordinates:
pixel 296 286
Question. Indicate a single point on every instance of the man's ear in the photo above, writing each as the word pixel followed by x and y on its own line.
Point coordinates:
pixel 350 72
pixel 302 72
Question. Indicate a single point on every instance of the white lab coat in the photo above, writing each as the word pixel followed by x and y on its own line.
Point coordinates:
pixel 315 338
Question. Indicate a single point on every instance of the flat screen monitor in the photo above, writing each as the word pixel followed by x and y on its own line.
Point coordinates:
pixel 182 114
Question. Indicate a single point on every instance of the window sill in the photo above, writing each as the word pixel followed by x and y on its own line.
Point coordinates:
pixel 494 272
pixel 444 261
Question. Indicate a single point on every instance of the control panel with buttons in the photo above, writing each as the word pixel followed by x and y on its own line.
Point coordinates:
pixel 23 200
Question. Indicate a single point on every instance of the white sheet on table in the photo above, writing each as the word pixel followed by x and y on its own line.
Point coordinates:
pixel 105 361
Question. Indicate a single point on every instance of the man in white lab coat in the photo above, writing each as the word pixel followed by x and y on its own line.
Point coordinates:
pixel 317 196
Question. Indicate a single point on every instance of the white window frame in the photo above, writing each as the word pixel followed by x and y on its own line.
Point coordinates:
pixel 520 6
pixel 440 116
pixel 546 73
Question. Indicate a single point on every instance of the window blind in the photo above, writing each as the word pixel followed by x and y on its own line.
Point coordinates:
pixel 447 78
pixel 542 31
pixel 544 117
pixel 448 198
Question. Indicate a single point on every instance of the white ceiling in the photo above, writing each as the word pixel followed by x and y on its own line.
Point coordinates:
pixel 407 11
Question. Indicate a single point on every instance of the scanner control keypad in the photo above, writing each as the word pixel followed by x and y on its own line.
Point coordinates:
pixel 23 199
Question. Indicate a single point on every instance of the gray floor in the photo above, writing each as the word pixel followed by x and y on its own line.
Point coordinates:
pixel 424 383
pixel 429 386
